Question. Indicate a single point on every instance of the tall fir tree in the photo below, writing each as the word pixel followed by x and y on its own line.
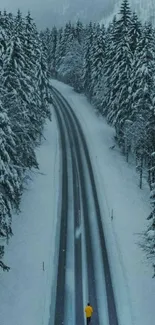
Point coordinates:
pixel 135 32
pixel 98 61
pixel 143 90
pixel 119 108
pixel 87 61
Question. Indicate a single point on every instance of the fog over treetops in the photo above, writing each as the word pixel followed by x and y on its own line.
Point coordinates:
pixel 57 12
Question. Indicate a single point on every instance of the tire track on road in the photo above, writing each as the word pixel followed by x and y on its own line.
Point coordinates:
pixel 85 198
pixel 77 243
pixel 113 319
pixel 60 298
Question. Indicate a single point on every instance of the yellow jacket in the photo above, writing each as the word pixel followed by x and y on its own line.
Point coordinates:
pixel 88 311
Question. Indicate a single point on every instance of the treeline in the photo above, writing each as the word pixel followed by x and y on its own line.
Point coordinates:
pixel 115 68
pixel 24 98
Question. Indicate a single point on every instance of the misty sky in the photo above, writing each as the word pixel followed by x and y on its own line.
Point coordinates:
pixel 50 12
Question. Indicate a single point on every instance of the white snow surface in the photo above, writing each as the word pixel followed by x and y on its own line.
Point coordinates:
pixel 124 210
pixel 25 291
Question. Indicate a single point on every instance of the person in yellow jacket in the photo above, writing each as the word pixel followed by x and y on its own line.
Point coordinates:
pixel 88 312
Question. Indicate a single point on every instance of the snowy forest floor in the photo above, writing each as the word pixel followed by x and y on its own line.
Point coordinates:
pixel 25 290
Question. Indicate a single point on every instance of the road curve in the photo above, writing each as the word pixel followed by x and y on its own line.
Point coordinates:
pixel 59 316
pixel 78 143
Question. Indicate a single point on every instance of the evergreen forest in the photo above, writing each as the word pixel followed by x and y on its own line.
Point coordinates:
pixel 114 66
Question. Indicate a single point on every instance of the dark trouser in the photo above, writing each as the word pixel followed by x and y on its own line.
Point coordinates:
pixel 88 320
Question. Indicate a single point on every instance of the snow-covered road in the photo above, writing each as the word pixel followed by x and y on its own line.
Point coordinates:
pixel 28 292
pixel 83 192
pixel 118 194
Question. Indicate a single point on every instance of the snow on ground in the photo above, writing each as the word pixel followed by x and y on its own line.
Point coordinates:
pixel 119 196
pixel 25 291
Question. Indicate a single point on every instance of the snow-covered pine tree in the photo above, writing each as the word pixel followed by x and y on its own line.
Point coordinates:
pixel 64 40
pixel 24 97
pixel 17 97
pixel 3 37
pixel 70 69
pixel 21 82
pixel 79 32
pixel 45 36
pixel 151 131
pixel 68 36
pixel 119 104
pixel 19 25
pixel 87 61
pixel 134 32
pixel 143 97
pixel 54 36
pixel 97 62
pixel 106 86
pixel 50 40
pixel 10 182
pixel 69 54
pixel 67 42
pixel 59 51
pixel 36 63
pixel 8 23
pixel 130 128
pixel 43 85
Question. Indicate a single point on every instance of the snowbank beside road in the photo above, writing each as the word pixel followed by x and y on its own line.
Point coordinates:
pixel 119 195
pixel 25 292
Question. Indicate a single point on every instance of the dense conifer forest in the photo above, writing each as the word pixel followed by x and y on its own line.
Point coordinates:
pixel 24 106
pixel 114 67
